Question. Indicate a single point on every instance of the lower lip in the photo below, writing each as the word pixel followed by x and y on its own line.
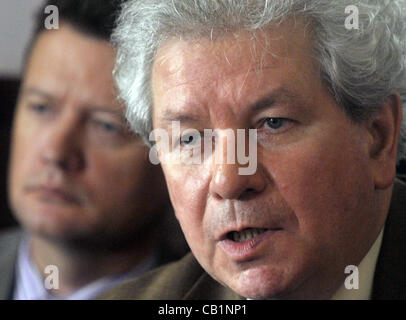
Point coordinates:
pixel 246 250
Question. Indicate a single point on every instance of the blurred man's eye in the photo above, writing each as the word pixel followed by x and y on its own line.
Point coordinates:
pixel 39 108
pixel 108 127
pixel 109 133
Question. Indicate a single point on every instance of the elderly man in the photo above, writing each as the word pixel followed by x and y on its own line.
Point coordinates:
pixel 322 83
pixel 80 183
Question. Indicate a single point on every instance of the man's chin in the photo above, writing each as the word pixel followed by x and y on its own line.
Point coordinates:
pixel 58 234
pixel 260 283
pixel 55 228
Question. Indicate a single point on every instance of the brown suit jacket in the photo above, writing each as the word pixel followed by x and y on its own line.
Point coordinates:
pixel 186 279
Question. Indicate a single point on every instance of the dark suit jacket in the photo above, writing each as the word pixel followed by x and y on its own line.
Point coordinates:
pixel 186 280
pixel 9 242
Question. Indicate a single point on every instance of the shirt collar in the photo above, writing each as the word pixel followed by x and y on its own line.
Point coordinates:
pixel 30 284
pixel 366 271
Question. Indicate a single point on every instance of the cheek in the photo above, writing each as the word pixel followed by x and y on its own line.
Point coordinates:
pixel 188 189
pixel 23 154
pixel 324 183
pixel 115 177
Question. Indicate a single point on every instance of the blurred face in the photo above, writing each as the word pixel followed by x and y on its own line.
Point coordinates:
pixel 289 229
pixel 75 171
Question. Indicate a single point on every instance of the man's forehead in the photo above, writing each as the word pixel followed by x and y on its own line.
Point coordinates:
pixel 193 75
pixel 64 74
pixel 235 52
pixel 184 62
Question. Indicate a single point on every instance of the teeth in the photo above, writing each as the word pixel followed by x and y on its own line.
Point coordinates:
pixel 246 234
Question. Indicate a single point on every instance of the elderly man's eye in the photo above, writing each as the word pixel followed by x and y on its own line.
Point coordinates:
pixel 190 139
pixel 187 140
pixel 275 123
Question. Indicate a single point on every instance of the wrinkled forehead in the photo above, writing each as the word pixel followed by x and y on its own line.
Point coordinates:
pixel 235 52
pixel 213 82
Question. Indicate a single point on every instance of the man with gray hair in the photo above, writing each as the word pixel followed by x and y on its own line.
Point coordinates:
pixel 323 84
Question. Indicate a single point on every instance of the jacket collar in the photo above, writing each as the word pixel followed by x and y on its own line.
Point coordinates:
pixel 9 243
pixel 390 272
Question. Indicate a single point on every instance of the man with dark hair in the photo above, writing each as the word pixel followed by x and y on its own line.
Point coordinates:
pixel 93 18
pixel 80 183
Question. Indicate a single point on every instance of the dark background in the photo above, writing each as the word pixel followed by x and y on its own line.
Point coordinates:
pixel 8 96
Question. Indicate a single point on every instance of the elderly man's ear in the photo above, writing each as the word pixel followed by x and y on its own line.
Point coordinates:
pixel 384 129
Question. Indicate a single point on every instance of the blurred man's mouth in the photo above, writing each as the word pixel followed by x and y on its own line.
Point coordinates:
pixel 53 194
pixel 52 186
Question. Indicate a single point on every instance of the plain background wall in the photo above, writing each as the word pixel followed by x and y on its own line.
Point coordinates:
pixel 16 25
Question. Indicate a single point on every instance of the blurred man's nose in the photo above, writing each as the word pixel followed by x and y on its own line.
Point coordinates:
pixel 61 144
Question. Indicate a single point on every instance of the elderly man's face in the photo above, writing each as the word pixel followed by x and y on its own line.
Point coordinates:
pixel 289 229
pixel 76 172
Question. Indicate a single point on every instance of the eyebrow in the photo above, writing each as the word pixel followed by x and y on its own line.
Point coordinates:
pixel 35 91
pixel 96 108
pixel 169 115
pixel 280 95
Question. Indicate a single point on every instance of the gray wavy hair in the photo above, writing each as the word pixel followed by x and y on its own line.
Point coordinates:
pixel 362 68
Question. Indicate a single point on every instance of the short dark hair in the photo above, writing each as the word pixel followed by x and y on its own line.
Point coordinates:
pixel 95 18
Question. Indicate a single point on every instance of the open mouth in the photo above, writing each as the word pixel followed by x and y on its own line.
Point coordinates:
pixel 245 235
pixel 247 243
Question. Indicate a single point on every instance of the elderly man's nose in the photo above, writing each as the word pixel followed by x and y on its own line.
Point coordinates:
pixel 227 181
pixel 61 147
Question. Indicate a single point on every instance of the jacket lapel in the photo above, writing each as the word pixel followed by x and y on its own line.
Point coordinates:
pixel 9 243
pixel 390 272
pixel 206 288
